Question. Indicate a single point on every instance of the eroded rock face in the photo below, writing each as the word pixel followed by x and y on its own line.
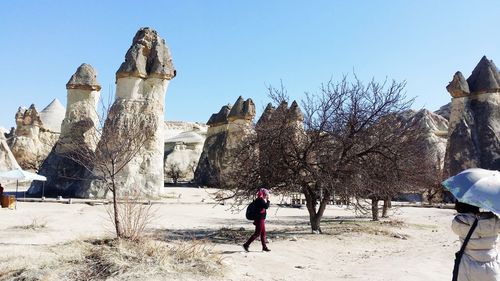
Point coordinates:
pixel 458 87
pixel 475 123
pixel 141 83
pixel 435 130
pixel 148 57
pixel 32 139
pixel 444 111
pixel 226 129
pixel 183 146
pixel 7 160
pixel 65 176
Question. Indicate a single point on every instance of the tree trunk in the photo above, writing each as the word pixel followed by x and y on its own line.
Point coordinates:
pixel 316 216
pixel 385 209
pixel 375 209
pixel 118 227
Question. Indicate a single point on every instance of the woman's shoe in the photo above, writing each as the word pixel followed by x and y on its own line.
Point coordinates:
pixel 266 250
pixel 245 247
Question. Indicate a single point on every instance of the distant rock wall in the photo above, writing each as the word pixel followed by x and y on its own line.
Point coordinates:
pixel 183 147
pixel 474 124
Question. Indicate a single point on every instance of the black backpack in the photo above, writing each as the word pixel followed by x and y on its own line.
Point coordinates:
pixel 252 211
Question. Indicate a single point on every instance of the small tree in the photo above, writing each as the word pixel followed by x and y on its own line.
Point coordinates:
pixel 173 171
pixel 119 140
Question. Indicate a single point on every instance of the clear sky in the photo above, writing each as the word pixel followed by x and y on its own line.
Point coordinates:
pixel 223 49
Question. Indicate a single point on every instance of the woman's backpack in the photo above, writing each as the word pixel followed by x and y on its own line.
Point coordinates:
pixel 252 211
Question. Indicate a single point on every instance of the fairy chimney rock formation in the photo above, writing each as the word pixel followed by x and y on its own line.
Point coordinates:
pixel 141 84
pixel 219 118
pixel 266 115
pixel 458 87
pixel 485 77
pixel 81 110
pixel 226 130
pixel 53 115
pixel 65 177
pixel 474 121
pixel 32 139
pixel 242 109
pixel 295 113
pixel 148 57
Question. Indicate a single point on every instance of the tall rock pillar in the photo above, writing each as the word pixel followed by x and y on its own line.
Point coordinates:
pixel 65 177
pixel 141 85
pixel 474 125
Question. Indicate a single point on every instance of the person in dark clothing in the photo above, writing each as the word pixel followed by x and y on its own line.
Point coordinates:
pixel 1 190
pixel 262 202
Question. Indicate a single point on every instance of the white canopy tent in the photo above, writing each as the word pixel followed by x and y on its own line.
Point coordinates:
pixel 19 174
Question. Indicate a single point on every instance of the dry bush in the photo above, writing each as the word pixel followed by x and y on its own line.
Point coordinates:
pixel 134 216
pixel 196 256
pixel 121 259
pixel 36 224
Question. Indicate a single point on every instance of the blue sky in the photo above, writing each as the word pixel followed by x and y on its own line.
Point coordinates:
pixel 223 49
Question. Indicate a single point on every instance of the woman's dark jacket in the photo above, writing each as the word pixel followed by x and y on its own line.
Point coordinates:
pixel 261 206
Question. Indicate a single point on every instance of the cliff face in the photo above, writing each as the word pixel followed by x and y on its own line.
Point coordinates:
pixel 474 120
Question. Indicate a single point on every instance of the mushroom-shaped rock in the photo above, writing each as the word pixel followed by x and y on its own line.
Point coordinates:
pixel 242 110
pixel 458 87
pixel 220 117
pixel 148 56
pixel 485 77
pixel 85 78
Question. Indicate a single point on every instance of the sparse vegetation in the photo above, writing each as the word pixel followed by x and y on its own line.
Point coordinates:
pixel 36 224
pixel 122 259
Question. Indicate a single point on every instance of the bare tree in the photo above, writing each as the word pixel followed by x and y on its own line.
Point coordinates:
pixel 119 140
pixel 325 151
pixel 173 171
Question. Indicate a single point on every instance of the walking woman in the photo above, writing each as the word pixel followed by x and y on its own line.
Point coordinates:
pixel 262 203
pixel 479 259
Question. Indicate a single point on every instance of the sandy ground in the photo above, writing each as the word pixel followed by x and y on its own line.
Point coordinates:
pixel 414 244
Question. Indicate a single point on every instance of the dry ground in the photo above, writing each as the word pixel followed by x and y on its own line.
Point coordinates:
pixel 414 244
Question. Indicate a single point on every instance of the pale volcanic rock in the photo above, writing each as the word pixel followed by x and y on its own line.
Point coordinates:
pixel 141 84
pixel 444 111
pixel 7 159
pixel 53 115
pixel 474 122
pixel 226 130
pixel 458 87
pixel 32 140
pixel 65 177
pixel 148 57
pixel 85 78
